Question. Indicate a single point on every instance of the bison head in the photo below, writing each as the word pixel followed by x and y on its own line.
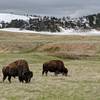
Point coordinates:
pixel 27 76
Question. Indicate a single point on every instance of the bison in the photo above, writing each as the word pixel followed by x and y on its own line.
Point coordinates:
pixel 56 66
pixel 18 68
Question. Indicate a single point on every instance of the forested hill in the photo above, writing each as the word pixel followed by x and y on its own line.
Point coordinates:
pixel 52 24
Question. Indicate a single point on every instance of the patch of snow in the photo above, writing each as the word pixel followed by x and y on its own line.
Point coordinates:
pixel 15 30
pixel 93 32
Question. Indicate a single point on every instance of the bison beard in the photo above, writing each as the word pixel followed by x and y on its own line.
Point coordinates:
pixel 18 68
pixel 56 66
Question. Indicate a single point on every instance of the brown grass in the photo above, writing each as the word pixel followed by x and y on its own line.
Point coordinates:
pixel 60 46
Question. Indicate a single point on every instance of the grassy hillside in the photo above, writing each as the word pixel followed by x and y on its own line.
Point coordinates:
pixel 80 54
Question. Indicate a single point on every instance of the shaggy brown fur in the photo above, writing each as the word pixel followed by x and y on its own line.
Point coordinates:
pixel 18 68
pixel 56 66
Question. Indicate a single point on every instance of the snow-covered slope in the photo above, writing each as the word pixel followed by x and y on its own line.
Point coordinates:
pixel 6 17
pixel 64 31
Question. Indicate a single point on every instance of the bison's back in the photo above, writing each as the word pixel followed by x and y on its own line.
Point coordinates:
pixel 15 68
pixel 22 65
pixel 58 64
pixel 53 65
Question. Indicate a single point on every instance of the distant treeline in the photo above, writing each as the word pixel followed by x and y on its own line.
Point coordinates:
pixel 53 24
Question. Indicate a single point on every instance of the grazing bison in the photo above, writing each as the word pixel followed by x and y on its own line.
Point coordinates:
pixel 56 66
pixel 18 68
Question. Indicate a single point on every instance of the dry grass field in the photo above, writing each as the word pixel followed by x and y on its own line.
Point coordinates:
pixel 81 55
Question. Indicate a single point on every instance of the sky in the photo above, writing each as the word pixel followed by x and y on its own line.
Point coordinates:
pixel 59 8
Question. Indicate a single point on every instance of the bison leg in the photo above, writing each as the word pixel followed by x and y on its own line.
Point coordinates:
pixel 20 79
pixel 9 79
pixel 43 72
pixel 4 77
pixel 46 72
